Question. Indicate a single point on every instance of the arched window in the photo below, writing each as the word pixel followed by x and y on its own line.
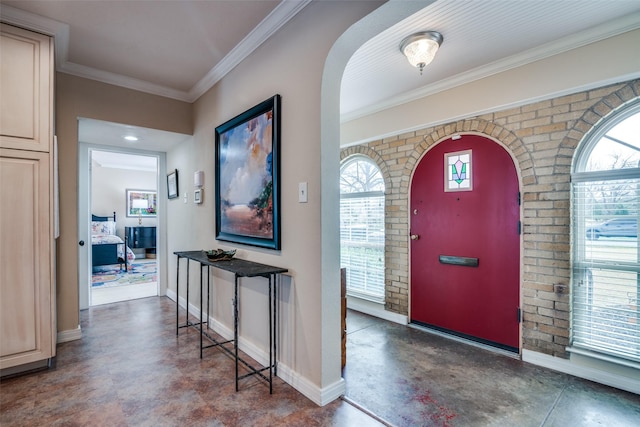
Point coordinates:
pixel 606 249
pixel 362 227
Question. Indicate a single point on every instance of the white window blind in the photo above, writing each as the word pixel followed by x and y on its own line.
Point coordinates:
pixel 362 245
pixel 606 273
pixel 362 228
pixel 606 250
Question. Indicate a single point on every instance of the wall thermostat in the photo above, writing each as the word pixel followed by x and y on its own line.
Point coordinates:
pixel 197 196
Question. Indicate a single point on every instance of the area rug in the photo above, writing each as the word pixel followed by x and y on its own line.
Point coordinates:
pixel 143 271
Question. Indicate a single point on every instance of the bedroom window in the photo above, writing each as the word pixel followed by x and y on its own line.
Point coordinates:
pixel 606 249
pixel 362 228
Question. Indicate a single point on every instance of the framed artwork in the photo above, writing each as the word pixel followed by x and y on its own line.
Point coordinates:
pixel 142 203
pixel 172 184
pixel 458 174
pixel 247 163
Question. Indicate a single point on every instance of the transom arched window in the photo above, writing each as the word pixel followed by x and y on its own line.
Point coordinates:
pixel 606 249
pixel 362 227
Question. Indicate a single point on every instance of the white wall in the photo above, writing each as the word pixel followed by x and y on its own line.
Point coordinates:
pixel 108 193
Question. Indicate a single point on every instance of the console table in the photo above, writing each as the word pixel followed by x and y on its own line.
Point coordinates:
pixel 240 268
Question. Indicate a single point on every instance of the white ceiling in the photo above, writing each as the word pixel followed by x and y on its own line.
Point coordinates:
pixel 180 49
pixel 174 48
pixel 116 160
pixel 481 38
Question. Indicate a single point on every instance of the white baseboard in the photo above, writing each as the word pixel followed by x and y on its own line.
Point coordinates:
pixel 303 385
pixel 319 396
pixel 375 309
pixel 332 392
pixel 69 335
pixel 589 373
pixel 314 393
pixel 171 294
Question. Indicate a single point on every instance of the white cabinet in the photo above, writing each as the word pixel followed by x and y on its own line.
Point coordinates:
pixel 27 274
pixel 26 90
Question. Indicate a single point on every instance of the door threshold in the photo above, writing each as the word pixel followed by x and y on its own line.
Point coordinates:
pixel 467 341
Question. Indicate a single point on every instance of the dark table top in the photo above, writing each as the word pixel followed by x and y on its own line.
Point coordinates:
pixel 240 267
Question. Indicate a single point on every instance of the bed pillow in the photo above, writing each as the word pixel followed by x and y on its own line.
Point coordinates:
pixel 103 227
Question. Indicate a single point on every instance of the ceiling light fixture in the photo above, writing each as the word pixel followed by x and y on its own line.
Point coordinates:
pixel 421 48
pixel 131 138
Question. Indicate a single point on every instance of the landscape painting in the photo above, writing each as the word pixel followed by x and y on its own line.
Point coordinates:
pixel 247 171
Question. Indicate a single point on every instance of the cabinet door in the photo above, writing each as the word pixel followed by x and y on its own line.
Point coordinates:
pixel 26 85
pixel 141 237
pixel 147 237
pixel 27 326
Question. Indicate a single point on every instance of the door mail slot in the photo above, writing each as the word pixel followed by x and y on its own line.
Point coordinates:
pixel 459 260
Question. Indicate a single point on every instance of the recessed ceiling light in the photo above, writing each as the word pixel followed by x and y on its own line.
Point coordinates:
pixel 131 138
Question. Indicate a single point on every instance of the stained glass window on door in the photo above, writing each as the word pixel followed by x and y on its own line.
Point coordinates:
pixel 457 171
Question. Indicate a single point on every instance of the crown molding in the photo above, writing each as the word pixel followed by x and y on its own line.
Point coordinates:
pixel 122 81
pixel 60 31
pixel 279 16
pixel 574 41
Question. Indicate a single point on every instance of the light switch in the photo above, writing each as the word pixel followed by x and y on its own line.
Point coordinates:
pixel 302 192
pixel 186 197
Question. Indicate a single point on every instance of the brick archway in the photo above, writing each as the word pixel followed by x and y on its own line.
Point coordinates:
pixel 506 138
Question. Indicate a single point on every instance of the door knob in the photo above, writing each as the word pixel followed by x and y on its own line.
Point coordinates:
pixel 415 236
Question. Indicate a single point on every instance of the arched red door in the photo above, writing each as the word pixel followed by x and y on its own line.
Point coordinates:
pixel 465 247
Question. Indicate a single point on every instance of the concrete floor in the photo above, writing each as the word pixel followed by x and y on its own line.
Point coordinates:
pixel 409 377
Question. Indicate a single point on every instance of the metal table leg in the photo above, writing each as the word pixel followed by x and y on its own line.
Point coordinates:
pixel 201 283
pixel 235 325
pixel 178 295
pixel 276 322
pixel 270 302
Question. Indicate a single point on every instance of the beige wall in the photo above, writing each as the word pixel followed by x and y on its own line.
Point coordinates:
pixel 75 98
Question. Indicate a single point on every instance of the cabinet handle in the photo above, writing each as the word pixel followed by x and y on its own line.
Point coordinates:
pixel 81 242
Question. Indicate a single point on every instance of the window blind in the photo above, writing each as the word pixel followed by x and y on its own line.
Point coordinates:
pixel 362 244
pixel 606 267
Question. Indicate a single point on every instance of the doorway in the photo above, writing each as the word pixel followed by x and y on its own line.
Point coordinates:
pixel 465 242
pixel 109 137
pixel 124 192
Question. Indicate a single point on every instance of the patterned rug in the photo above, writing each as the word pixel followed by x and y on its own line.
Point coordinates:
pixel 142 271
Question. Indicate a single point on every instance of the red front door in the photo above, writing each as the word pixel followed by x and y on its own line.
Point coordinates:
pixel 455 230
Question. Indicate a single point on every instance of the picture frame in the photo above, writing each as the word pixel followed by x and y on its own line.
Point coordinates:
pixel 142 203
pixel 172 184
pixel 247 165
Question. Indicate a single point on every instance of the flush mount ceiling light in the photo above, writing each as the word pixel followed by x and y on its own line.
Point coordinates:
pixel 421 48
pixel 131 138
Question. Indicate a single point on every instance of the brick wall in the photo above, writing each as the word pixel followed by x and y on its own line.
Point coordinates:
pixel 542 138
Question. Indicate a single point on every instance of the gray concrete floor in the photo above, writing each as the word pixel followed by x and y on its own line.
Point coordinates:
pixel 409 377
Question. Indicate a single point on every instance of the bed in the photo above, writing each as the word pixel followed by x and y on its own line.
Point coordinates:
pixel 106 247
